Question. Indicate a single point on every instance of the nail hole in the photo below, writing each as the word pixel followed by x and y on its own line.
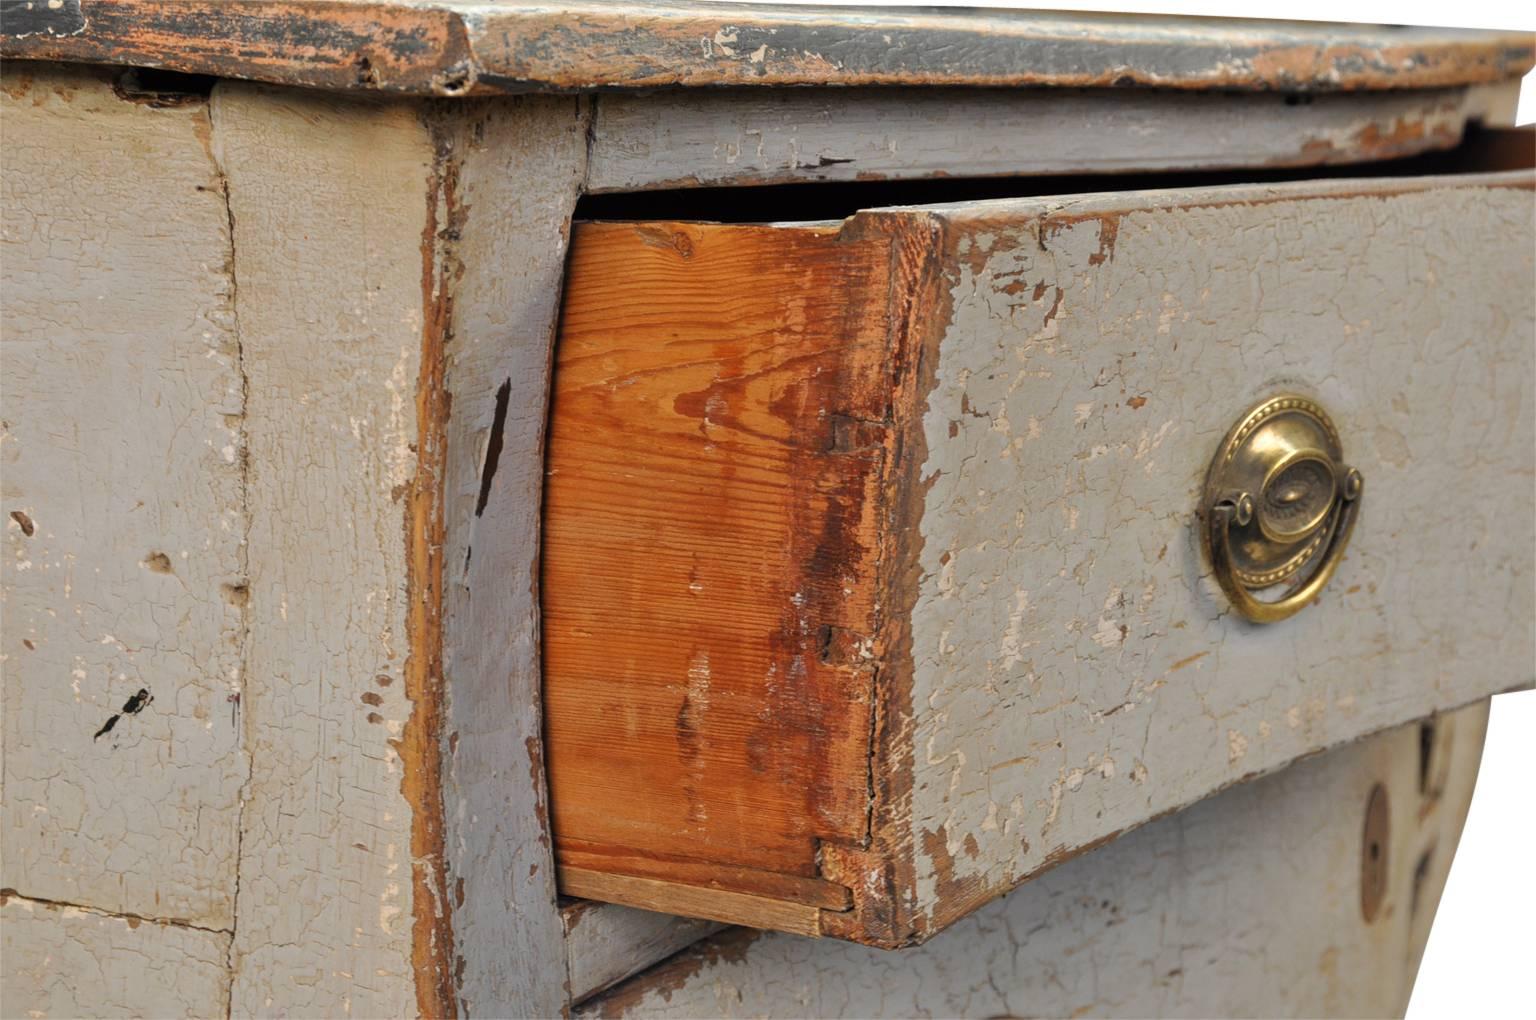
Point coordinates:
pixel 366 75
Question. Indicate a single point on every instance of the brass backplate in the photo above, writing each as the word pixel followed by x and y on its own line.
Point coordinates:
pixel 1285 456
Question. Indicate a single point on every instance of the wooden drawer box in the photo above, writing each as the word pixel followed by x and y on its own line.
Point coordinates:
pixel 873 578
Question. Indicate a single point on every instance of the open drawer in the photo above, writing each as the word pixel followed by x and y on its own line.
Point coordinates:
pixel 878 553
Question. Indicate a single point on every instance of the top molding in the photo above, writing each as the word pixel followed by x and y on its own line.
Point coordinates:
pixel 455 48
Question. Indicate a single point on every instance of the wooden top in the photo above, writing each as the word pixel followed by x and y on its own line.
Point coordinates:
pixel 452 48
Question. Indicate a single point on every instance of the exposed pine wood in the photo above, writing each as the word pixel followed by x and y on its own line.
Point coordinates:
pixel 597 857
pixel 710 904
pixel 717 439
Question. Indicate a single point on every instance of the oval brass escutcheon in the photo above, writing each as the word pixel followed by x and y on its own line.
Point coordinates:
pixel 1278 497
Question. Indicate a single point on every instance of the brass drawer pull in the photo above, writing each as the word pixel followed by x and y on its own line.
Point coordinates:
pixel 1278 496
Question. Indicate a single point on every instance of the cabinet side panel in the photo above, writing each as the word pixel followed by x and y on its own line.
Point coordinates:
pixel 124 520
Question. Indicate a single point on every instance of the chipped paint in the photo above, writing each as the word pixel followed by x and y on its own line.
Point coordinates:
pixel 1162 922
pixel 432 50
pixel 1126 679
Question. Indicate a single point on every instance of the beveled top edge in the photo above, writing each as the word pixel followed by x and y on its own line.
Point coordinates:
pixel 455 48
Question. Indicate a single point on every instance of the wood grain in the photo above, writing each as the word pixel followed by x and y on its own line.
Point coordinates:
pixel 718 436
pixel 1044 664
pixel 710 904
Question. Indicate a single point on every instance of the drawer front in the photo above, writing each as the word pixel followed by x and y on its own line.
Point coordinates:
pixel 875 580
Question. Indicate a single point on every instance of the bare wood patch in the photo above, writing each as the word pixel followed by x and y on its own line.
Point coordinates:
pixel 710 904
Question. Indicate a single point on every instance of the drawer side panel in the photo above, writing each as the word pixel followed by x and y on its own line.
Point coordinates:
pixel 718 439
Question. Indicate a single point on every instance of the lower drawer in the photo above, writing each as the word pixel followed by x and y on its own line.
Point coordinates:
pixel 882 570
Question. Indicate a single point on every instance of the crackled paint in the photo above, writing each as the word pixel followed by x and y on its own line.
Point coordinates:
pixel 1076 670
pixel 328 203
pixel 744 136
pixel 1246 903
pixel 66 961
pixel 124 565
pixel 241 721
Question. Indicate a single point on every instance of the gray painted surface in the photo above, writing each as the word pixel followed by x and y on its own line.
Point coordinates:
pixel 744 136
pixel 1076 670
pixel 521 163
pixel 1245 905
pixel 270 424
pixel 124 566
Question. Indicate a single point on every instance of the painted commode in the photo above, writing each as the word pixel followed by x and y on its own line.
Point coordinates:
pixel 328 328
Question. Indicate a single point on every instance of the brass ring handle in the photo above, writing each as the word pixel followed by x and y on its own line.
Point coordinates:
pixel 1278 498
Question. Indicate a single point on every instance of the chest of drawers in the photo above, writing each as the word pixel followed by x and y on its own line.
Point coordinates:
pixel 475 470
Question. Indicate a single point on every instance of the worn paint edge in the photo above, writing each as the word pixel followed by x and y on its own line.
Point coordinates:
pixel 482 48
pixel 1381 129
pixel 419 744
pixel 882 874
